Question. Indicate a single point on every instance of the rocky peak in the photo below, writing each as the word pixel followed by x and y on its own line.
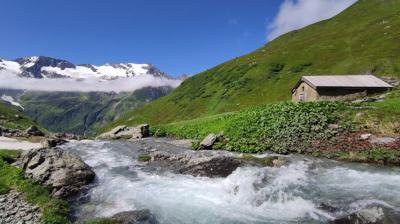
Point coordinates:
pixel 32 66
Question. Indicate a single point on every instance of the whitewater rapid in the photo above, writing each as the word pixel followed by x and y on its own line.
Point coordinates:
pixel 300 192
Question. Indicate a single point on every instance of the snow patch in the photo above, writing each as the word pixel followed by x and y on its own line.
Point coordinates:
pixel 11 66
pixel 11 101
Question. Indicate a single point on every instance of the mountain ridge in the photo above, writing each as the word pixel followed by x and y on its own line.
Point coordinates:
pixel 47 67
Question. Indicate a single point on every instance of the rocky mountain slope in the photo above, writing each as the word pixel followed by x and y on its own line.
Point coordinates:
pixel 79 111
pixel 46 67
pixel 362 39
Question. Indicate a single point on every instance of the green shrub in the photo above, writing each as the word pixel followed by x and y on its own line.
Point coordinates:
pixel 144 158
pixel 281 127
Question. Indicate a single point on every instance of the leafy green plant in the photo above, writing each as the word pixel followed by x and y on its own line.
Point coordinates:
pixel 144 158
pixel 281 127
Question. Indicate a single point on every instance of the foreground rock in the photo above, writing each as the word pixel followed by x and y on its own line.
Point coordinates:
pixel 124 132
pixel 15 210
pixel 34 131
pixel 209 141
pixel 31 131
pixel 52 142
pixel 134 217
pixel 371 215
pixel 64 173
pixel 195 164
pixel 165 154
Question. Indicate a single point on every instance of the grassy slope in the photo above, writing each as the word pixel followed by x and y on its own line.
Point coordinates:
pixel 11 117
pixel 363 39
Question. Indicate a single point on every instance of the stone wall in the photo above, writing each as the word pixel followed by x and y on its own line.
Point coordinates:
pixel 305 93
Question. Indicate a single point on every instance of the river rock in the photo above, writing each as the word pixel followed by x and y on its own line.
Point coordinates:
pixel 14 209
pixel 63 172
pixel 34 131
pixel 210 140
pixel 382 140
pixel 134 217
pixel 52 142
pixel 196 164
pixel 213 167
pixel 124 132
pixel 371 215
pixel 365 136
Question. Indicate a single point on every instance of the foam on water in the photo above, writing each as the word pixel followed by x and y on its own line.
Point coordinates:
pixel 289 194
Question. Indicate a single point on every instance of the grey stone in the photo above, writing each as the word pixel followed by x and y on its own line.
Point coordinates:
pixel 34 131
pixel 124 132
pixel 374 214
pixel 210 140
pixel 279 162
pixel 63 172
pixel 382 140
pixel 365 136
pixel 135 217
pixel 52 142
pixel 16 210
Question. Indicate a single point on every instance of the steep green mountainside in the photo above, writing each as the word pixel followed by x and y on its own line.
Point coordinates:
pixel 12 117
pixel 80 112
pixel 362 39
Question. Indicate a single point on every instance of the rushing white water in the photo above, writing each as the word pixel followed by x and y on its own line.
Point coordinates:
pixel 289 194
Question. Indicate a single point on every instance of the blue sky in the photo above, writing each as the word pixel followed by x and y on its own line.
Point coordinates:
pixel 178 36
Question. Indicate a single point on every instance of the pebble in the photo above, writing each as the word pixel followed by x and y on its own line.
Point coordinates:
pixel 15 210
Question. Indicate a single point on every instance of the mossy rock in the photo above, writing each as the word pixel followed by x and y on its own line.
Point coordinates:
pixel 265 161
pixel 144 158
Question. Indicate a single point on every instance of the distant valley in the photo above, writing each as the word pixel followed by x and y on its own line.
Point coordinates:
pixel 63 97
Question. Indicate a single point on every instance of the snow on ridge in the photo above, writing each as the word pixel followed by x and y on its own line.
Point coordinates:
pixel 107 71
pixel 103 72
pixel 11 101
pixel 30 61
pixel 11 66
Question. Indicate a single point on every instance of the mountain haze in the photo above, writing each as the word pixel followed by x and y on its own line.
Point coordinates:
pixel 64 97
pixel 363 39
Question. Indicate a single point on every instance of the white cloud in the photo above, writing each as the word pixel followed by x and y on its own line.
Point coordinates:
pixel 295 14
pixel 11 81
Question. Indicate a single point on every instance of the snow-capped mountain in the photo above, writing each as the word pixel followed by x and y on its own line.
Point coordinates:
pixel 45 67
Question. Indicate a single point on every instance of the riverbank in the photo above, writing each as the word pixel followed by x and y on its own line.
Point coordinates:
pixel 334 130
pixel 16 144
pixel 12 180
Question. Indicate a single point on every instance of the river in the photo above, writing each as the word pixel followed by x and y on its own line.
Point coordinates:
pixel 307 190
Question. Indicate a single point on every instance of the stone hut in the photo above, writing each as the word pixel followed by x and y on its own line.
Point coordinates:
pixel 337 87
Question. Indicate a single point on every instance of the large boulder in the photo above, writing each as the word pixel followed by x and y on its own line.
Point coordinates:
pixel 52 142
pixel 196 165
pixel 34 131
pixel 62 172
pixel 209 141
pixel 374 214
pixel 112 134
pixel 134 217
pixel 124 132
pixel 213 167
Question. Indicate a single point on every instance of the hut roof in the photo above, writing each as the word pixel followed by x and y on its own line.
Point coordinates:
pixel 344 81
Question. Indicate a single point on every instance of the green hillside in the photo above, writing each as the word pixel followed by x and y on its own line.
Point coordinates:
pixel 81 112
pixel 363 39
pixel 12 117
